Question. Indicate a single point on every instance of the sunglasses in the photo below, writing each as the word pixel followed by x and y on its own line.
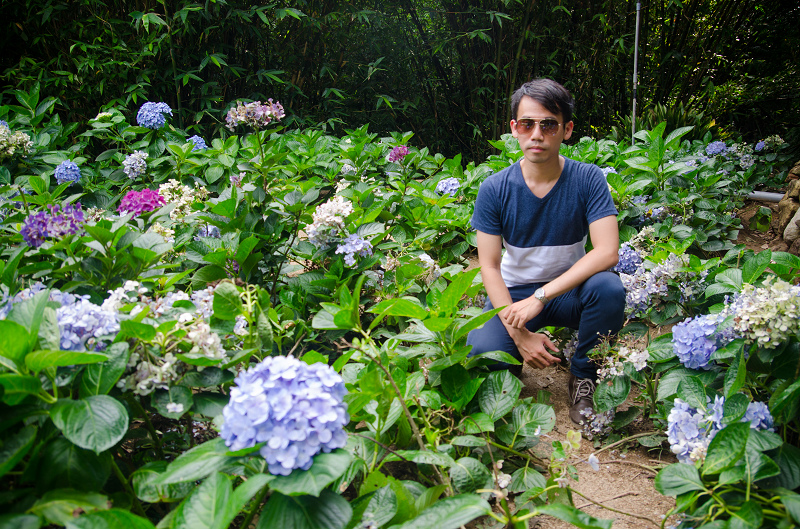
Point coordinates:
pixel 549 126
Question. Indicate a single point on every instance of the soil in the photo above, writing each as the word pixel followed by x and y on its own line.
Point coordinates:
pixel 624 482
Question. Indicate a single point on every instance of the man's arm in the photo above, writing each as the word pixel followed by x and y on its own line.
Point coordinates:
pixel 531 345
pixel 604 254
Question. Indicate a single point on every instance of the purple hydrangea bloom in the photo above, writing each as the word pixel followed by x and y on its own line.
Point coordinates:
pixel 254 114
pixel 716 147
pixel 448 186
pixel 694 340
pixel 608 170
pixel 208 230
pixel 629 260
pixel 151 115
pixel 83 324
pixel 397 154
pixel 354 245
pixel 138 202
pixel 760 146
pixel 56 223
pixel 199 143
pixel 34 229
pixel 758 416
pixel 640 199
pixel 686 430
pixel 4 123
pixel 293 407
pixel 67 172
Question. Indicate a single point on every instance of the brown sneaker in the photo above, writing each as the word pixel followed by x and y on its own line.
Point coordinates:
pixel 581 391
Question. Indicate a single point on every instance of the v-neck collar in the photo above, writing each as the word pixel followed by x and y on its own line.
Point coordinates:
pixel 552 189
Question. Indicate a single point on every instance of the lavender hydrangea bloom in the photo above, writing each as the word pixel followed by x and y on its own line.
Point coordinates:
pixel 34 229
pixel 353 245
pixel 629 260
pixel 208 230
pixel 135 164
pixel 397 154
pixel 58 222
pixel 760 146
pixel 716 147
pixel 151 115
pixel 293 407
pixel 4 123
pixel 254 114
pixel 448 186
pixel 199 143
pixel 138 202
pixel 67 172
pixel 759 417
pixel 608 170
pixel 694 340
pixel 83 324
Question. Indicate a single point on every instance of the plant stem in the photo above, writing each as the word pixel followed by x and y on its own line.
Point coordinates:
pixel 150 428
pixel 530 458
pixel 127 486
pixel 621 441
pixel 614 510
pixel 256 504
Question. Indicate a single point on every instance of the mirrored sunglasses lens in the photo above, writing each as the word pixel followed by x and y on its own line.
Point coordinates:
pixel 549 126
pixel 525 125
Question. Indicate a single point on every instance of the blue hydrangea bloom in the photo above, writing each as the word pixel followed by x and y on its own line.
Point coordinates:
pixel 199 143
pixel 4 123
pixel 694 340
pixel 83 325
pixel 151 115
pixel 686 430
pixel 208 230
pixel 608 170
pixel 758 416
pixel 760 146
pixel 295 408
pixel 716 147
pixel 448 186
pixel 67 172
pixel 354 245
pixel 629 260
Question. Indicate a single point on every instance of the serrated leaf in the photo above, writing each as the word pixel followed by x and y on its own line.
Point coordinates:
pixel 498 393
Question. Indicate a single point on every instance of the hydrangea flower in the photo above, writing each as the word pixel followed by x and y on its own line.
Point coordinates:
pixel 328 225
pixel 767 315
pixel 397 154
pixel 760 146
pixel 3 123
pixel 57 223
pixel 694 340
pixel 295 408
pixel 199 143
pixel 138 202
pixel 67 172
pixel 83 324
pixel 208 230
pixel 353 245
pixel 151 115
pixel 13 143
pixel 448 186
pixel 254 114
pixel 759 417
pixel 648 288
pixel 716 147
pixel 135 164
pixel 236 180
pixel 607 171
pixel 746 161
pixel 181 196
pixel 629 259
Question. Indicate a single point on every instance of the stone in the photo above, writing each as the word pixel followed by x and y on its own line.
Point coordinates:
pixel 794 172
pixel 794 190
pixel 794 249
pixel 786 210
pixel 792 231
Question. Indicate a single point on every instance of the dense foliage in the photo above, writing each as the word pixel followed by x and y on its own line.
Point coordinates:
pixel 442 69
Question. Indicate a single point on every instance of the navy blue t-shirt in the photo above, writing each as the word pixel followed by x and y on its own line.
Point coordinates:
pixel 543 237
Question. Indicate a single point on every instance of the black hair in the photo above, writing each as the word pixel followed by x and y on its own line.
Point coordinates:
pixel 548 93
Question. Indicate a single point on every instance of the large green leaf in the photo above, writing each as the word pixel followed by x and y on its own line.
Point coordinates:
pixel 145 482
pixel 38 360
pixel 207 506
pixel 449 513
pixel 178 395
pixel 19 521
pixel 573 516
pixel 328 511
pixel 748 516
pixel 726 448
pixel 29 313
pixel 469 474
pixel 692 391
pixel 17 387
pixel 498 393
pixel 197 463
pixel 399 307
pixel 16 447
pixel 110 519
pixel 63 464
pixel 96 423
pixel 227 302
pixel 611 393
pixel 59 506
pixel 379 507
pixel 325 469
pixel 787 458
pixel 526 478
pixel 14 341
pixel 98 379
pixel 678 478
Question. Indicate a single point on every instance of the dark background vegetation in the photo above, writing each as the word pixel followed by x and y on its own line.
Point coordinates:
pixel 443 69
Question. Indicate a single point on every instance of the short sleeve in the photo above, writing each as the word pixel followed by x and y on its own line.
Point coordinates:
pixel 599 203
pixel 486 217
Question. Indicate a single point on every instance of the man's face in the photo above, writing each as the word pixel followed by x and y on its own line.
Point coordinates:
pixel 538 146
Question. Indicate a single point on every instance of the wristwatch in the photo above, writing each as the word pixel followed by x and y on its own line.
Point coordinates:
pixel 539 294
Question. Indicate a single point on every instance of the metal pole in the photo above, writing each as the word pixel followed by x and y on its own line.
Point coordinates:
pixel 635 72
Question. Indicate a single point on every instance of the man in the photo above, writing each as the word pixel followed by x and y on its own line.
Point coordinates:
pixel 541 210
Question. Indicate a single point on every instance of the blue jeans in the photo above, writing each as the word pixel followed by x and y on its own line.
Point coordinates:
pixel 596 308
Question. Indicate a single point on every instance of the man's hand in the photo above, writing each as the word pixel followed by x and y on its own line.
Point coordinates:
pixel 521 312
pixel 532 345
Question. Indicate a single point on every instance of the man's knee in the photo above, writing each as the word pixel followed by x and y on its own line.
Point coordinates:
pixel 606 288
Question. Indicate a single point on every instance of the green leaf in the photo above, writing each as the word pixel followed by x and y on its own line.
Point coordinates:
pixel 209 404
pixel 179 395
pixel 17 387
pixel 197 463
pixel 571 515
pixel 38 360
pixel 531 420
pixel 677 479
pixel 399 307
pixel 206 506
pixel 227 302
pixel 526 478
pixel 469 474
pixel 749 516
pixel 448 302
pixel 16 447
pixel 691 391
pixel 498 393
pixel 379 507
pixel 787 457
pixel 328 511
pixel 138 330
pixel 611 393
pixel 726 448
pixel 96 423
pixel 19 521
pixel 449 513
pixel 661 349
pixel 736 374
pixel 14 341
pixel 791 502
pixel 57 506
pixel 63 464
pixel 325 469
pixel 145 482
pixel 29 313
pixel 735 408
pixel 99 379
pixel 423 457
pixel 477 423
pixel 475 322
pixel 110 519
